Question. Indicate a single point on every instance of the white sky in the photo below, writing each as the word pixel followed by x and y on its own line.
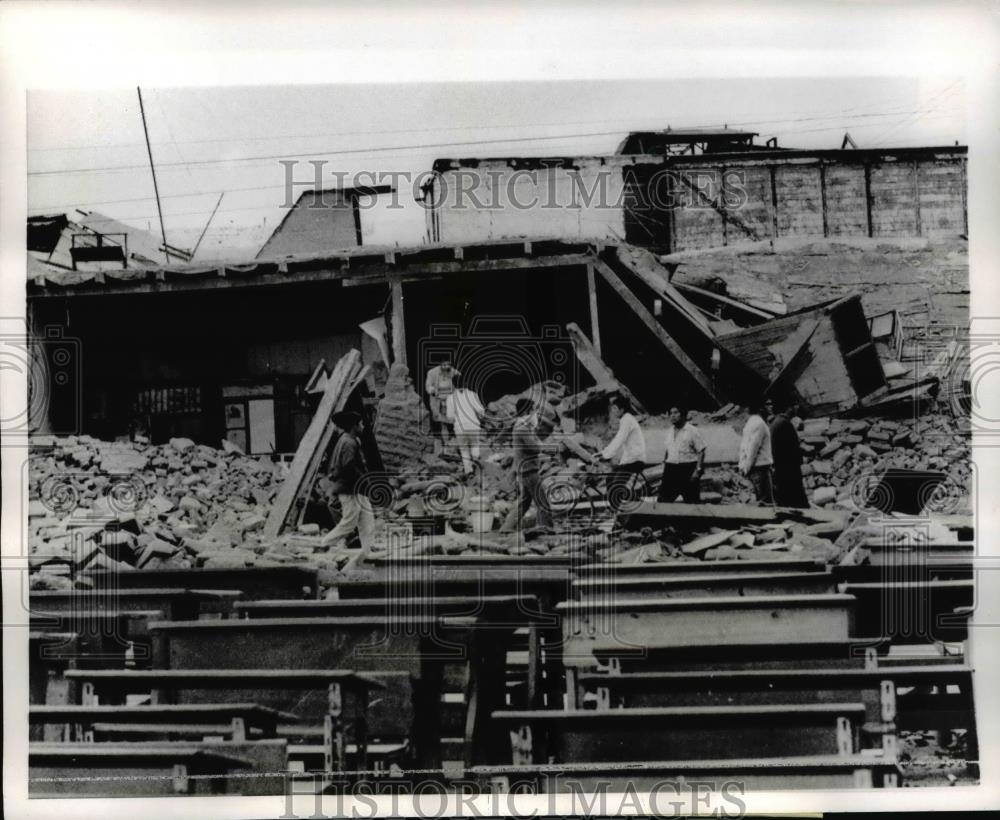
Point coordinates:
pixel 86 148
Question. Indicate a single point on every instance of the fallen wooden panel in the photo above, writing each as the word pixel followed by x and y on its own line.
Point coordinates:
pixel 314 442
pixel 824 355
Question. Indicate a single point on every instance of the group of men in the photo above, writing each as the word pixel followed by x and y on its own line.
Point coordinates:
pixel 769 457
pixel 456 412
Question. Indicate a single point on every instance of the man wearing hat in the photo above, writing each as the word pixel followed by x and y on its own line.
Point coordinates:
pixel 530 428
pixel 347 466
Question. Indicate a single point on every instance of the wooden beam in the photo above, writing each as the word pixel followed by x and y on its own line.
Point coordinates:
pixel 651 512
pixel 310 450
pixel 398 324
pixel 868 199
pixel 595 327
pixel 797 344
pixel 367 271
pixel 774 202
pixel 591 360
pixel 822 198
pixel 657 330
pixel 725 300
pixel 649 269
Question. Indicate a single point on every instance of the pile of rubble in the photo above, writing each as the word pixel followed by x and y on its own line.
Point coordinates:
pixel 843 458
pixel 104 505
pixel 119 505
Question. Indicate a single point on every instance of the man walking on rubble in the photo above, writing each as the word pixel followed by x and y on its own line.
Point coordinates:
pixel 347 468
pixel 787 455
pixel 755 454
pixel 628 445
pixel 439 385
pixel 465 411
pixel 530 428
pixel 684 460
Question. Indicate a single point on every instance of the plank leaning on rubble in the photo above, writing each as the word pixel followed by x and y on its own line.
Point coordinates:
pixel 310 450
pixel 590 358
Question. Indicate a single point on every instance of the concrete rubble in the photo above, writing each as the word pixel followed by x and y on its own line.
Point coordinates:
pixel 97 504
pixel 119 505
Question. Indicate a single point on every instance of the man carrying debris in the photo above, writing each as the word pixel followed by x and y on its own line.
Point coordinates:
pixel 465 411
pixel 530 428
pixel 440 385
pixel 347 467
pixel 788 489
pixel 684 461
pixel 628 444
pixel 755 454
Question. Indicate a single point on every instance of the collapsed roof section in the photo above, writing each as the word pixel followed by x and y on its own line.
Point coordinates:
pixel 665 346
pixel 823 357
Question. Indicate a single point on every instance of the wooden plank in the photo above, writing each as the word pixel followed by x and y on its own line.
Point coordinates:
pixel 868 199
pixel 721 515
pixel 725 300
pixel 822 197
pixel 255 583
pixel 398 323
pixel 793 350
pixel 657 330
pixel 756 773
pixel 595 327
pixel 587 735
pixel 712 568
pixel 252 713
pixel 307 456
pixel 648 268
pixel 588 355
pixel 699 586
pixel 633 628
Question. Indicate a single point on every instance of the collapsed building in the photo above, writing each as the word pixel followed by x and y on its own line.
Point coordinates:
pixel 716 272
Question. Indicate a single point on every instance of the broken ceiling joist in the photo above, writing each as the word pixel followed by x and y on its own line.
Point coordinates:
pixel 594 364
pixel 658 330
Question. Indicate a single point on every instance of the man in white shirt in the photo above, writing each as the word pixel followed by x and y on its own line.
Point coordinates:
pixel 755 454
pixel 465 411
pixel 684 461
pixel 628 446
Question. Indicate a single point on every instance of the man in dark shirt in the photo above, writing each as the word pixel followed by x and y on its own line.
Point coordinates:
pixel 787 468
pixel 346 469
pixel 530 428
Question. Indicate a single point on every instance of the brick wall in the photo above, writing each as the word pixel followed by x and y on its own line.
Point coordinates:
pixel 714 201
pixel 906 196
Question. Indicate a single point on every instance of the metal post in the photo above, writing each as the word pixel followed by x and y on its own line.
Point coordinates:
pixel 149 150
